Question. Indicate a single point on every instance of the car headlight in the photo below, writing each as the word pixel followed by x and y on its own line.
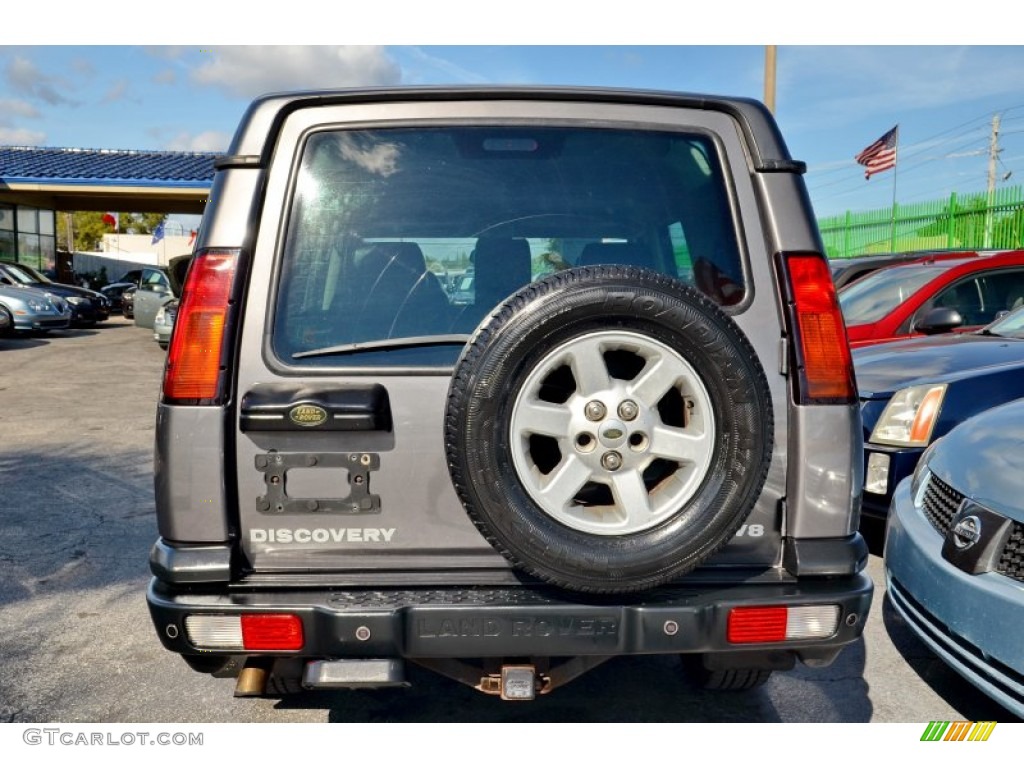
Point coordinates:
pixel 161 315
pixel 36 306
pixel 910 416
pixel 76 300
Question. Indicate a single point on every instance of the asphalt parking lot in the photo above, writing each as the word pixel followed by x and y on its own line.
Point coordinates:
pixel 76 643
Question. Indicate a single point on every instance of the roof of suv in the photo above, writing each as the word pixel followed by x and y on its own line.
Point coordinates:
pixel 263 118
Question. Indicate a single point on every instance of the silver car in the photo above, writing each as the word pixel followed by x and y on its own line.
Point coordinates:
pixel 954 552
pixel 29 309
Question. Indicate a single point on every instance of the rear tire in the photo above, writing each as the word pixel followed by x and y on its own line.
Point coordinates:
pixel 739 679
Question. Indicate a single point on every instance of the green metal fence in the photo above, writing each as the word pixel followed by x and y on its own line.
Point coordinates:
pixel 968 222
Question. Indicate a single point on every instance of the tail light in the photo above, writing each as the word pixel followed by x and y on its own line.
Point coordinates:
pixel 195 359
pixel 247 632
pixel 773 624
pixel 824 368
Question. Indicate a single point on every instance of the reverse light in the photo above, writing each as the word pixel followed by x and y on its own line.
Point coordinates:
pixel 248 632
pixel 772 624
pixel 910 416
pixel 824 365
pixel 194 360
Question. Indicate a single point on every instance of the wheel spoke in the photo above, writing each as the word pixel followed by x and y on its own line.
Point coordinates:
pixel 588 367
pixel 632 498
pixel 679 445
pixel 657 378
pixel 567 480
pixel 536 417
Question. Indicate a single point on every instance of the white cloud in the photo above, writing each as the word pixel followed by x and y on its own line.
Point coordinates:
pixel 248 71
pixel 845 84
pixel 116 92
pixel 165 77
pixel 17 107
pixel 457 73
pixel 21 137
pixel 25 78
pixel 207 141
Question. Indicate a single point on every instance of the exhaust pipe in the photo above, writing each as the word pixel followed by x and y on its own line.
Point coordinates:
pixel 252 680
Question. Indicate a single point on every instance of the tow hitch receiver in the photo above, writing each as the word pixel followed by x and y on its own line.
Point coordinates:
pixel 517 682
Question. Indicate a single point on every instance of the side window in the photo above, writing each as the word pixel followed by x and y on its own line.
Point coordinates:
pixel 980 298
pixel 1004 291
pixel 966 298
pixel 153 280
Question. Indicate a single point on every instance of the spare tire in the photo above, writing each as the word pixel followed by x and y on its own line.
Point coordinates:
pixel 608 428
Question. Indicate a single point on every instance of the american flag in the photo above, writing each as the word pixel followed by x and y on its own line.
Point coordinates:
pixel 881 155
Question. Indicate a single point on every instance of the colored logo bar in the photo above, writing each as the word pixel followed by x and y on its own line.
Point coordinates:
pixel 944 730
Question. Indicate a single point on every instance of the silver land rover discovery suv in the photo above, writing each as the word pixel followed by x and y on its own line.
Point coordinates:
pixel 638 434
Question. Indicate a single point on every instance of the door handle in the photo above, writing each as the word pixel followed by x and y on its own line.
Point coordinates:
pixel 286 408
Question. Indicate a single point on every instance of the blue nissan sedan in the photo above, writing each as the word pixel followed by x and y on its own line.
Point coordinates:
pixel 954 552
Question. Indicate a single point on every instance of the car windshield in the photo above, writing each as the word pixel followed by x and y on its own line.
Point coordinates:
pixel 871 298
pixel 1011 325
pixel 24 275
pixel 379 213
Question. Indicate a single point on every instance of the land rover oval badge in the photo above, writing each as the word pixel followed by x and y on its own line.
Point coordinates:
pixel 967 532
pixel 307 415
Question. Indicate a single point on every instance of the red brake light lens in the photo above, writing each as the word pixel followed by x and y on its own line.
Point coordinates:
pixel 757 625
pixel 272 632
pixel 822 348
pixel 193 370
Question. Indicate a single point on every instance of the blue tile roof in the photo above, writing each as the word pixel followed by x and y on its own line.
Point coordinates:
pixel 103 167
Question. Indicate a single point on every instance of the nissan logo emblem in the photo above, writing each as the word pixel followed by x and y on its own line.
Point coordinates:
pixel 967 532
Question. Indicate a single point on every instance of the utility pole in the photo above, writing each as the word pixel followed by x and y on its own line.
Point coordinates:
pixel 769 77
pixel 993 156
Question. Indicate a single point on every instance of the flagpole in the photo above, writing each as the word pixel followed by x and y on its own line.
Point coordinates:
pixel 895 170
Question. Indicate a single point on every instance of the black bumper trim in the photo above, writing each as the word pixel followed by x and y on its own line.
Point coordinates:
pixel 514 621
pixel 190 564
pixel 825 557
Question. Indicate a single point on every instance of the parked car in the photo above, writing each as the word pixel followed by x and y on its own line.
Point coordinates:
pixel 163 323
pixel 913 392
pixel 845 271
pixel 23 308
pixel 954 552
pixel 88 307
pixel 115 290
pixel 354 473
pixel 153 292
pixel 128 302
pixel 938 294
pixel 462 293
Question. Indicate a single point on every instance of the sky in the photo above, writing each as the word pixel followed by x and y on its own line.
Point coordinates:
pixel 831 100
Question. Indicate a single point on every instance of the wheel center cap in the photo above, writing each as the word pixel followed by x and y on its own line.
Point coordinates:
pixel 612 433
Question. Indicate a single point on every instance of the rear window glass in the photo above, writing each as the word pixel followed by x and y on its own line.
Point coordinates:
pixel 400 241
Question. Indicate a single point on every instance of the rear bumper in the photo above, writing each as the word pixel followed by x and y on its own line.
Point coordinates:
pixel 522 621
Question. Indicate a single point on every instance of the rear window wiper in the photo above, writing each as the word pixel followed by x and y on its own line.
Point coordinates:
pixel 454 339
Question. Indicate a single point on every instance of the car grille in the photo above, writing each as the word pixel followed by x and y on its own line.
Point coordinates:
pixel 1011 561
pixel 940 504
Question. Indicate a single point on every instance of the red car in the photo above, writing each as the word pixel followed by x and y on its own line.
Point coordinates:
pixel 936 294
